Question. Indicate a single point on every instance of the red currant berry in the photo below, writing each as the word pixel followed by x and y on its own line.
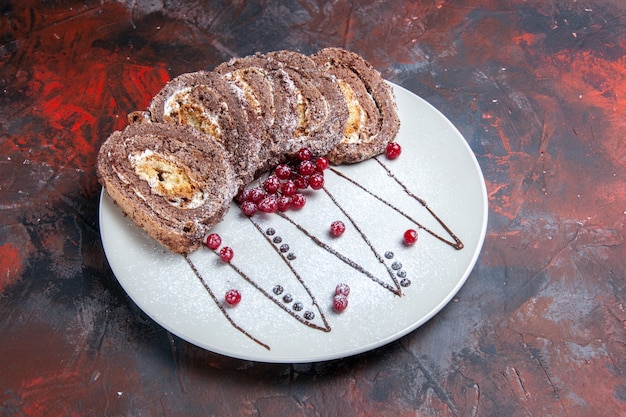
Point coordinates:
pixel 283 171
pixel 340 302
pixel 393 150
pixel 248 208
pixel 410 237
pixel 298 201
pixel 226 254
pixel 271 184
pixel 342 289
pixel 268 204
pixel 283 203
pixel 316 181
pixel 322 163
pixel 257 194
pixel 288 188
pixel 306 168
pixel 301 182
pixel 213 241
pixel 337 228
pixel 232 297
pixel 304 154
pixel 243 195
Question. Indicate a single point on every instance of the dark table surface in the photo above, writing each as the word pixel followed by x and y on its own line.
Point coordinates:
pixel 537 88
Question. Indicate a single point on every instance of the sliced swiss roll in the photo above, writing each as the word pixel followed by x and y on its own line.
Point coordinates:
pixel 173 181
pixel 313 110
pixel 373 120
pixel 250 78
pixel 204 101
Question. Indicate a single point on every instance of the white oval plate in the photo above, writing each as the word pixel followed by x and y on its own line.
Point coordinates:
pixel 436 165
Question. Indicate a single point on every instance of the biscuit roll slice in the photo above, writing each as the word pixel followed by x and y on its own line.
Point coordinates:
pixel 173 181
pixel 250 77
pixel 315 110
pixel 373 120
pixel 204 101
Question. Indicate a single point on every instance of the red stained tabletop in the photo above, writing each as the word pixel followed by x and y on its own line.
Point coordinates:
pixel 538 90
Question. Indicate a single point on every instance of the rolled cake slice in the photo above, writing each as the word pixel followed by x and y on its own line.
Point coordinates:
pixel 173 181
pixel 314 106
pixel 204 101
pixel 373 121
pixel 249 78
